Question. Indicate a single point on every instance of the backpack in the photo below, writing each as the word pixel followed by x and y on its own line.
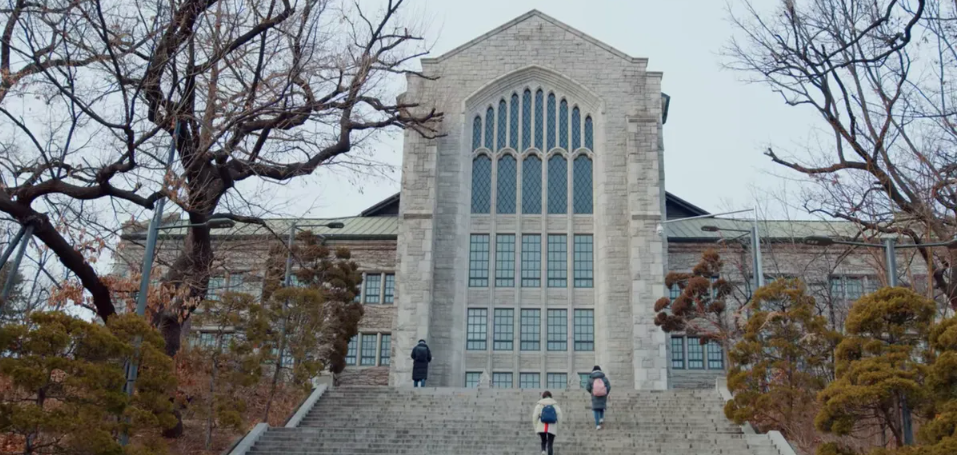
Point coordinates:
pixel 598 388
pixel 549 415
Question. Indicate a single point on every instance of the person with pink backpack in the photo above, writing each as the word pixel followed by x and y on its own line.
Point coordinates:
pixel 599 387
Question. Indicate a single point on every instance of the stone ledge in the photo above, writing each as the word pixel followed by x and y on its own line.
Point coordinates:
pixel 306 406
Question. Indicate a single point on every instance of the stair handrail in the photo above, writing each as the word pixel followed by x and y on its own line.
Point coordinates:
pixel 777 439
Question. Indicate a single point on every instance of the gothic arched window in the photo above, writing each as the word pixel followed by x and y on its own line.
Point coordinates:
pixel 489 128
pixel 526 119
pixel 476 132
pixel 481 184
pixel 557 185
pixel 576 128
pixel 582 185
pixel 532 185
pixel 513 122
pixel 507 172
pixel 550 132
pixel 588 134
pixel 502 124
pixel 563 125
pixel 539 118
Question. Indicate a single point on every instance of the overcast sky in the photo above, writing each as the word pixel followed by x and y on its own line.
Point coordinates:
pixel 718 125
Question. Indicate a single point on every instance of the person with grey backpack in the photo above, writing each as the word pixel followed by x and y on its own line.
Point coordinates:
pixel 599 387
pixel 546 416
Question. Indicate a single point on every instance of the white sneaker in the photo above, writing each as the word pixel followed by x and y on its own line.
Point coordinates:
pixel 601 421
pixel 598 427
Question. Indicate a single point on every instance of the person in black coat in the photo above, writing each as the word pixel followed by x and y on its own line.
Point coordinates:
pixel 421 356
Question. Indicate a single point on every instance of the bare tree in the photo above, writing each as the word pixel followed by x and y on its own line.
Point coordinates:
pixel 879 74
pixel 267 90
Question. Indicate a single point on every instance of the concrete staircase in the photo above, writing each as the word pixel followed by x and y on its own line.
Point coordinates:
pixel 379 420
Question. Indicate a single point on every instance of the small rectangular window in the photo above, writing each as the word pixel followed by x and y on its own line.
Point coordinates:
pixel 472 379
pixel 584 262
pixel 853 288
pixel 504 320
pixel 557 330
pixel 477 329
pixel 531 261
pixel 584 330
pixel 557 260
pixel 367 347
pixel 385 349
pixel 583 380
pixel 530 380
pixel 389 297
pixel 372 282
pixel 505 260
pixel 478 260
pixel 678 353
pixel 557 381
pixel 502 380
pixel 531 330
pixel 352 351
pixel 695 354
pixel 715 356
pixel 674 292
pixel 216 287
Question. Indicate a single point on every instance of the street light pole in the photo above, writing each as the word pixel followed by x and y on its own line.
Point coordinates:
pixel 24 237
pixel 756 242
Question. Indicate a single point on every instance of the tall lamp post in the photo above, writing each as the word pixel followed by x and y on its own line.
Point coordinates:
pixel 890 247
pixel 755 238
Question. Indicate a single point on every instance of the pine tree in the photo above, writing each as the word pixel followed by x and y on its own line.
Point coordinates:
pixel 66 379
pixel 879 364
pixel 784 358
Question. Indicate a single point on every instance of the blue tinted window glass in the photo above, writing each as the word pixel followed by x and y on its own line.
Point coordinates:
pixel 539 119
pixel 532 185
pixel 476 133
pixel 550 133
pixel 526 119
pixel 481 184
pixel 589 134
pixel 507 184
pixel 576 129
pixel 502 126
pixel 563 125
pixel 582 181
pixel 557 185
pixel 489 128
pixel 513 122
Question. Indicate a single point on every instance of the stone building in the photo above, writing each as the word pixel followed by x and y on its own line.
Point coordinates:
pixel 526 241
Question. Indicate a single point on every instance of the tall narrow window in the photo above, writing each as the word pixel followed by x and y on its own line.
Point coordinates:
pixel 490 128
pixel 526 119
pixel 550 132
pixel 584 261
pixel 584 330
pixel 576 128
pixel 563 125
pixel 389 296
pixel 589 134
pixel 531 330
pixel 674 292
pixel 513 122
pixel 557 330
pixel 583 379
pixel 507 173
pixel 678 353
pixel 582 188
pixel 216 287
pixel 481 184
pixel 373 282
pixel 504 329
pixel 531 261
pixel 529 380
pixel 715 356
pixel 556 381
pixel 539 119
pixel 557 185
pixel 472 379
pixel 557 260
pixel 477 133
pixel 532 185
pixel 478 261
pixel 385 349
pixel 368 349
pixel 502 124
pixel 501 380
pixel 695 354
pixel 505 260
pixel 352 351
pixel 477 330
